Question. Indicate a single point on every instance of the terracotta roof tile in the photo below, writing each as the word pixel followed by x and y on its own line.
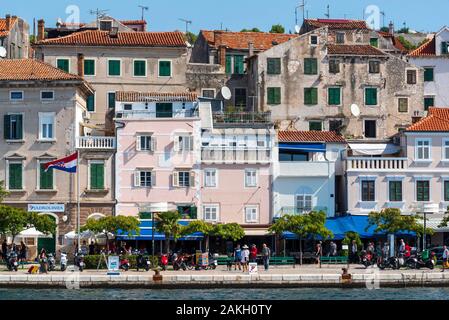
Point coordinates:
pixel 124 39
pixel 357 50
pixel 239 40
pixel 3 31
pixel 310 136
pixel 425 50
pixel 343 24
pixel 29 69
pixel 395 40
pixel 132 96
pixel 437 120
pixel 132 22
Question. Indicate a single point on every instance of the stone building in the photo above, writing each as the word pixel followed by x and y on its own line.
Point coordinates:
pixel 14 37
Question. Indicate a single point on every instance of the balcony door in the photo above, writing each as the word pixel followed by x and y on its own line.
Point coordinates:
pixel 164 110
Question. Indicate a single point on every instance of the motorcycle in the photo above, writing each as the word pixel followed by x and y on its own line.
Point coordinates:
pixel 63 261
pixel 213 261
pixel 51 262
pixel 142 262
pixel 124 264
pixel 391 262
pixel 79 261
pixel 11 261
pixel 179 263
pixel 425 259
pixel 367 259
pixel 164 262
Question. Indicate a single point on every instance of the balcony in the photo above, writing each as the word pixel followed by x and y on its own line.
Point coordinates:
pixel 144 114
pixel 376 164
pixel 228 155
pixel 295 211
pixel 306 169
pixel 242 119
pixel 96 143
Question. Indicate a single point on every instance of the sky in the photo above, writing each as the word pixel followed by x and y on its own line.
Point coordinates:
pixel 164 15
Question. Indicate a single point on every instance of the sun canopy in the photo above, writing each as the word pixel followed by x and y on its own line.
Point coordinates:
pixel 32 233
pixel 146 233
pixel 374 149
pixel 305 147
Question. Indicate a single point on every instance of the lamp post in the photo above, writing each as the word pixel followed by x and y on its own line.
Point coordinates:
pixel 152 234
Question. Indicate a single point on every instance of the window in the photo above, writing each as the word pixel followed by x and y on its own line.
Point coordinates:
pixel 334 66
pixel 402 105
pixel 336 126
pixel 45 178
pixel 145 143
pixel 422 149
pixel 46 126
pixel 13 127
pixel 428 74
pixel 374 42
pixel 315 126
pixel 251 214
pixel 144 178
pixel 429 102
pixel 370 129
pixel 114 68
pixel 445 149
pixel 164 68
pixel 208 93
pixel 422 190
pixel 210 178
pixel 97 176
pixel 444 48
pixel 374 66
pixel 303 203
pixel 63 64
pixel 411 76
pixel 446 190
pixel 127 107
pixel 106 25
pixel 313 40
pixel 310 66
pixel 90 103
pixel 140 68
pixel 274 96
pixel 111 100
pixel 293 156
pixel 210 213
pixel 240 97
pixel 183 179
pixel 47 95
pixel 250 178
pixel 310 96
pixel 395 191
pixel 89 67
pixel 16 95
pixel 371 96
pixel 15 181
pixel 368 190
pixel 239 65
pixel 273 66
pixel 340 37
pixel 184 143
pixel 164 110
pixel 334 96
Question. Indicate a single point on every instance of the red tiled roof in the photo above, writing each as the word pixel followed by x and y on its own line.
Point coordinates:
pixel 30 69
pixel 239 40
pixel 426 49
pixel 70 24
pixel 357 50
pixel 3 31
pixel 124 39
pixel 395 40
pixel 437 120
pixel 337 23
pixel 132 96
pixel 310 136
pixel 132 22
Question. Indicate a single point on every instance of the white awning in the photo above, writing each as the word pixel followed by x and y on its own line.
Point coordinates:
pixel 32 233
pixel 374 149
pixel 256 232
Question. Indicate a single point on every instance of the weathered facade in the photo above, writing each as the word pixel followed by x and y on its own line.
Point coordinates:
pixel 14 37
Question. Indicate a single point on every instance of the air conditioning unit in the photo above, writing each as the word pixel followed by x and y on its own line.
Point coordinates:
pixel 86 115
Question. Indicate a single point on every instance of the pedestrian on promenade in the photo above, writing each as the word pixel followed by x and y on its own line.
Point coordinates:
pixel 266 253
pixel 353 256
pixel 401 248
pixel 237 257
pixel 245 258
pixel 319 251
pixel 92 248
pixel 253 253
pixel 23 252
pixel 445 257
pixel 333 249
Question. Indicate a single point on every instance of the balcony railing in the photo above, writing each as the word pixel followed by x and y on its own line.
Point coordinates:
pixel 372 164
pixel 96 143
pixel 238 118
pixel 295 211
pixel 235 155
pixel 144 114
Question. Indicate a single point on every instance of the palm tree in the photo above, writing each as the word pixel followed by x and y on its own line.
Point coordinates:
pixel 167 223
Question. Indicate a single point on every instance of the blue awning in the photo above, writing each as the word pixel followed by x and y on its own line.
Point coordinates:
pixel 305 147
pixel 146 233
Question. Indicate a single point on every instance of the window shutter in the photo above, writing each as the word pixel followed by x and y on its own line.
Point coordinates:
pixel 444 48
pixel 175 179
pixel 228 64
pixel 314 95
pixel 138 143
pixel 176 144
pixel 153 144
pixel 7 126
pixel 100 176
pixel 307 66
pixel 191 139
pixel 19 127
pixel 153 178
pixel 270 96
pixel 136 178
pixel 192 179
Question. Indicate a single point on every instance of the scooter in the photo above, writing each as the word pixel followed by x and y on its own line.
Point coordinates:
pixel 124 264
pixel 11 261
pixel 179 263
pixel 391 262
pixel 51 262
pixel 142 262
pixel 425 259
pixel 79 261
pixel 367 259
pixel 63 261
pixel 164 262
pixel 213 261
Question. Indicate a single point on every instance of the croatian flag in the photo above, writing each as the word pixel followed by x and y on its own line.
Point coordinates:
pixel 67 164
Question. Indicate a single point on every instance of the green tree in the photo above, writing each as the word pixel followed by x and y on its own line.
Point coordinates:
pixel 445 220
pixel 191 37
pixel 113 224
pixel 349 237
pixel 168 224
pixel 251 30
pixel 42 223
pixel 385 29
pixel 404 30
pixel 229 231
pixel 208 229
pixel 277 28
pixel 407 44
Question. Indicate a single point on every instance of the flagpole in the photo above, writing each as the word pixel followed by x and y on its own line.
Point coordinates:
pixel 78 209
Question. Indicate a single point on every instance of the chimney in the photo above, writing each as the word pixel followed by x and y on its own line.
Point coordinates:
pixel 391 28
pixel 251 48
pixel 8 22
pixel 81 64
pixel 40 30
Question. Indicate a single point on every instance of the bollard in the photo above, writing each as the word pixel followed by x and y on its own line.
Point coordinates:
pixel 346 277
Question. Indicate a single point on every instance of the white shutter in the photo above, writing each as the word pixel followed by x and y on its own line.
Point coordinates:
pixel 176 144
pixel 175 179
pixel 153 144
pixel 136 178
pixel 138 146
pixel 191 143
pixel 153 178
pixel 192 179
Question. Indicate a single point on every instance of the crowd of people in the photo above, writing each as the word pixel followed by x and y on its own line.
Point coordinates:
pixel 241 257
pixel 20 250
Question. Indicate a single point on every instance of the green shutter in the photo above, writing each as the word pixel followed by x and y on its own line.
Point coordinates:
pixel 7 126
pixel 238 65
pixel 228 64
pixel 46 179
pixel 89 67
pixel 114 68
pixel 63 64
pixel 374 42
pixel 140 68
pixel 334 96
pixel 90 103
pixel 310 66
pixel 15 176
pixel 164 68
pixel 274 66
pixel 428 74
pixel 395 191
pixel 446 190
pixel 164 110
pixel 19 127
pixel 97 176
pixel 111 100
pixel 429 102
pixel 310 96
pixel 315 126
pixel 274 96
pixel 371 96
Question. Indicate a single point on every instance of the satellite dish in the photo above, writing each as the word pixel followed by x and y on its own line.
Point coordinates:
pixel 226 93
pixel 2 52
pixel 297 29
pixel 355 110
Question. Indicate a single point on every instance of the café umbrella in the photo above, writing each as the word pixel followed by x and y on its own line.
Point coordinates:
pixel 32 233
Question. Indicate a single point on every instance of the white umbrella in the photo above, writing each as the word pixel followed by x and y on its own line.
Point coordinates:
pixel 32 233
pixel 84 235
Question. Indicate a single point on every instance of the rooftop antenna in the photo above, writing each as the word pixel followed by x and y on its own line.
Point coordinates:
pixel 382 13
pixel 144 8
pixel 187 22
pixel 99 14
pixel 327 14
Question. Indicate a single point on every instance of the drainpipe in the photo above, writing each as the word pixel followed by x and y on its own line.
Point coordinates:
pixel 119 125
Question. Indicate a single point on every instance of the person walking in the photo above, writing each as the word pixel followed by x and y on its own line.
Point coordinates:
pixel 333 249
pixel 245 258
pixel 353 257
pixel 319 251
pixel 23 252
pixel 266 253
pixel 445 257
pixel 237 257
pixel 92 248
pixel 253 253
